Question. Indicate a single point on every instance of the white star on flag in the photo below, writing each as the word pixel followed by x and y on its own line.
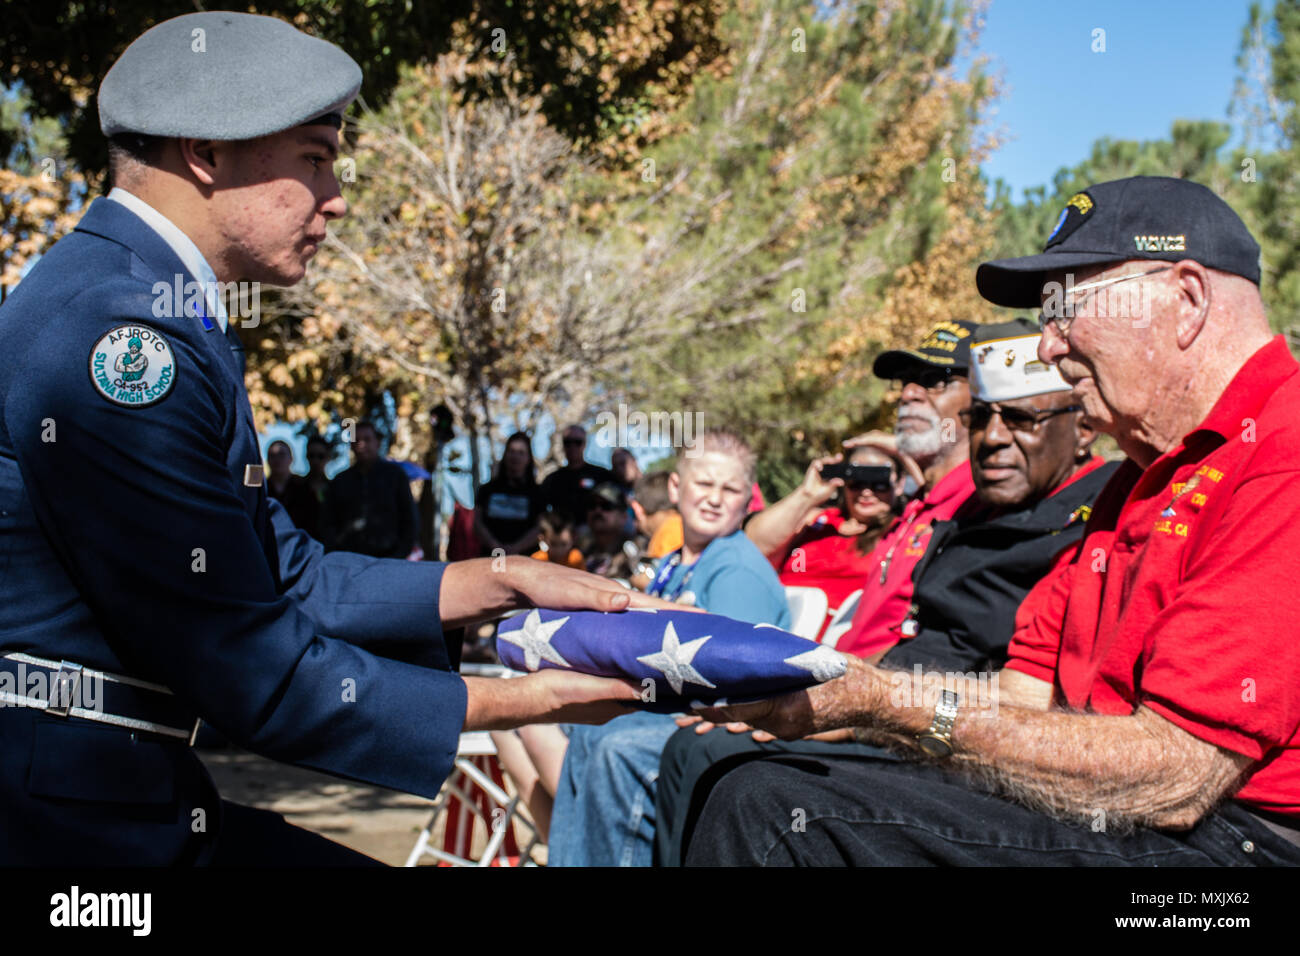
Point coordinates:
pixel 535 639
pixel 674 660
pixel 822 662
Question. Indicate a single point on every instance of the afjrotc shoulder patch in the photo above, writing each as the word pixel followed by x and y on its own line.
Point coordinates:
pixel 132 365
pixel 1077 208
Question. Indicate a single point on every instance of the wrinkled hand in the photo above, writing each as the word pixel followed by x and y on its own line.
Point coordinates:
pixel 843 702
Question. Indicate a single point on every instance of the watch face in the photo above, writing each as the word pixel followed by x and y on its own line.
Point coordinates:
pixel 935 746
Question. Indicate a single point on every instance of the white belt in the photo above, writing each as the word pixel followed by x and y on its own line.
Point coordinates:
pixel 71 675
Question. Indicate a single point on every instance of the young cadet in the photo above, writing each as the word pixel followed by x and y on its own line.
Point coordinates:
pixel 1151 679
pixel 140 556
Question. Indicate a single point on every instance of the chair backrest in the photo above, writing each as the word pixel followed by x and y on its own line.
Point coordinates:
pixel 808 608
pixel 842 620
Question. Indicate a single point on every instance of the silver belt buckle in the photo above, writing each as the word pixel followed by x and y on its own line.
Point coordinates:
pixel 63 689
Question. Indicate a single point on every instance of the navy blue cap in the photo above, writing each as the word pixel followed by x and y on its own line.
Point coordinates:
pixel 1142 217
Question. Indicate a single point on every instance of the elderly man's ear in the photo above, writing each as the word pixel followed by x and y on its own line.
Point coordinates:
pixel 1193 301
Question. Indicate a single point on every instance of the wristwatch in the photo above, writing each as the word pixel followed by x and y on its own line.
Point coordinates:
pixel 937 741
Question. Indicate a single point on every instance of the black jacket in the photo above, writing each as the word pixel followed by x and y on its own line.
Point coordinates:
pixel 370 512
pixel 978 568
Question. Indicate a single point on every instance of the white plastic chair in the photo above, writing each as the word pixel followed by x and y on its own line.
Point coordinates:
pixel 474 792
pixel 842 619
pixel 808 608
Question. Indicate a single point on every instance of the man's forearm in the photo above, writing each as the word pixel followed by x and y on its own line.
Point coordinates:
pixel 476 590
pixel 1138 768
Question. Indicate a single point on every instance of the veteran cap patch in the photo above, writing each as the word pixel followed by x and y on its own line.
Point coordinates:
pixel 1142 217
pixel 132 365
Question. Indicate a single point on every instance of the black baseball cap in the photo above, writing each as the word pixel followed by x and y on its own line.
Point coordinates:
pixel 947 345
pixel 1142 217
pixel 607 492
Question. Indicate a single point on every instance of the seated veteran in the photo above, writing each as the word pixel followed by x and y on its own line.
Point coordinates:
pixel 1035 481
pixel 1144 716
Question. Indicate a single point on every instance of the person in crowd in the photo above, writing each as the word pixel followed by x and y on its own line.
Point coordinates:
pixel 602 543
pixel 369 508
pixel 830 548
pixel 506 509
pixel 319 454
pixel 653 508
pixel 934 392
pixel 604 802
pixel 1035 478
pixel 1140 691
pixel 556 541
pixel 292 491
pixel 626 470
pixel 565 489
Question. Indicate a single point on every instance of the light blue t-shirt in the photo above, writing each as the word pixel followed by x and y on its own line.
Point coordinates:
pixel 731 578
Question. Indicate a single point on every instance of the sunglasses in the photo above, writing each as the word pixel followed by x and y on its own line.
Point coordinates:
pixel 930 379
pixel 878 487
pixel 1023 420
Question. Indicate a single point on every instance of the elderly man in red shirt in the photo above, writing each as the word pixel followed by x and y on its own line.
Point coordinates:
pixel 1150 710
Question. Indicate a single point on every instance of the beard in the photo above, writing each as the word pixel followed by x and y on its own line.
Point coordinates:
pixel 923 446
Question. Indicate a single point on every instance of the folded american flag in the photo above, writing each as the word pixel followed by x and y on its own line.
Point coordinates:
pixel 678 656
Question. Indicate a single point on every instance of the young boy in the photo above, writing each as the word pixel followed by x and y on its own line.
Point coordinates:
pixel 604 804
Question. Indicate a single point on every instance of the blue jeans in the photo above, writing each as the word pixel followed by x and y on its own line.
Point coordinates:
pixel 605 805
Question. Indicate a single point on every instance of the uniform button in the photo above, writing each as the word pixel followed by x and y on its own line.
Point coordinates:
pixel 1248 846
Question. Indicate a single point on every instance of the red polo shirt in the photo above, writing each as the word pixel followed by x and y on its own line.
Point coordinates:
pixel 887 588
pixel 1180 596
pixel 821 557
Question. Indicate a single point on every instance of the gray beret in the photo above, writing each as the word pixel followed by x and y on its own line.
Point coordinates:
pixel 224 76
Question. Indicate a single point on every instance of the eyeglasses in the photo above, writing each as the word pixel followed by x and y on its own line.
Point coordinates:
pixel 933 380
pixel 1069 309
pixel 978 416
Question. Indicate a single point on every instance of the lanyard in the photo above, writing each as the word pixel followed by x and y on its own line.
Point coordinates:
pixel 665 572
pixel 889 555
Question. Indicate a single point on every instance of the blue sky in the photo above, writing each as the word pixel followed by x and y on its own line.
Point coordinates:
pixel 1164 60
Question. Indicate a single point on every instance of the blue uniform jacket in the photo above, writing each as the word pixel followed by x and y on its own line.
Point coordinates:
pixel 334 662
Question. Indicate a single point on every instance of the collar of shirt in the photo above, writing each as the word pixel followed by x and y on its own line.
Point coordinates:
pixel 182 245
pixel 958 483
pixel 1261 376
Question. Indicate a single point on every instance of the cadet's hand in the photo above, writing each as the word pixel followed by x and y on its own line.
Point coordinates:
pixel 551 695
pixel 483 588
pixel 542 584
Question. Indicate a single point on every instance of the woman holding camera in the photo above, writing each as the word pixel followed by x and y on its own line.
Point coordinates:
pixel 815 542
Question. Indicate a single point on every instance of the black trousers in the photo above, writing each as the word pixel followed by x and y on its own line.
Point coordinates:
pixel 693 763
pixel 262 838
pixel 792 810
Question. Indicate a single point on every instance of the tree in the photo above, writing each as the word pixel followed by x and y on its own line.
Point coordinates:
pixel 597 65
